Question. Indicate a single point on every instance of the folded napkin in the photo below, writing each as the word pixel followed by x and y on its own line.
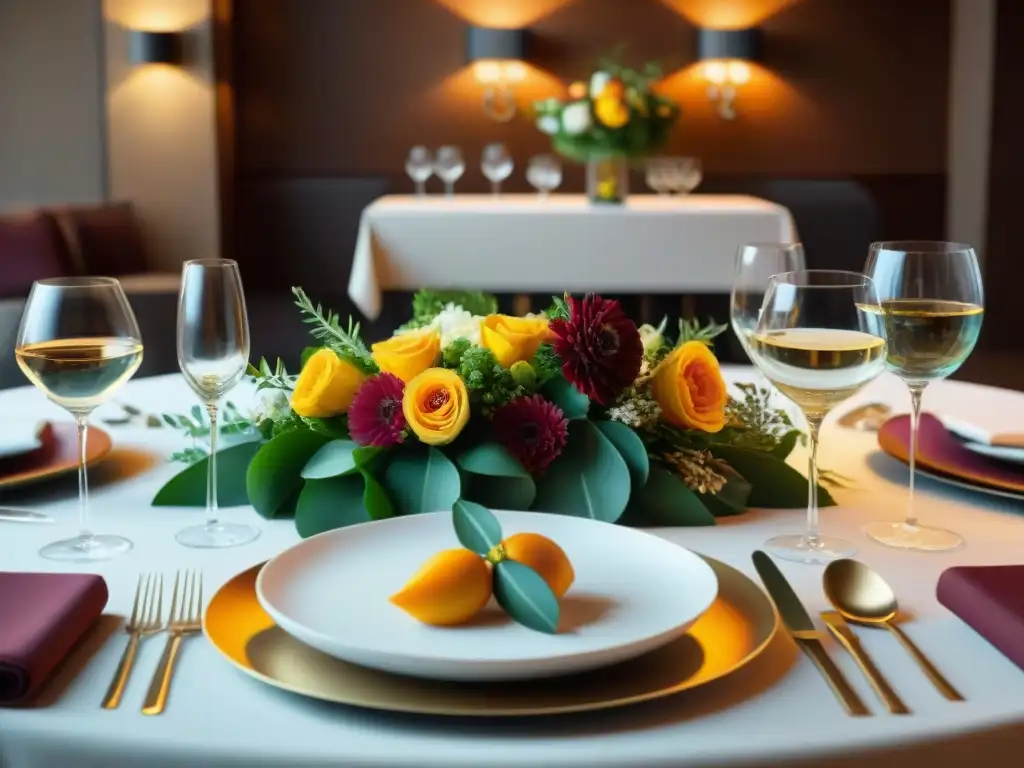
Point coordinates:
pixel 42 617
pixel 990 599
pixel 992 430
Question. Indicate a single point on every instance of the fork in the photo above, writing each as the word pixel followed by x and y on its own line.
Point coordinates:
pixel 184 620
pixel 145 620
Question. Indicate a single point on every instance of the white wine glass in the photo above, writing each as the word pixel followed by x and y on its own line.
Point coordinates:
pixel 78 343
pixel 213 351
pixel 819 340
pixel 419 165
pixel 756 263
pixel 932 303
pixel 544 172
pixel 497 165
pixel 449 166
pixel 656 174
pixel 685 174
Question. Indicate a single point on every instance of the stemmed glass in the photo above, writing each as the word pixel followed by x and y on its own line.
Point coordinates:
pixel 213 350
pixel 756 263
pixel 420 167
pixel 497 165
pixel 685 174
pixel 819 340
pixel 544 172
pixel 657 176
pixel 932 303
pixel 78 343
pixel 449 167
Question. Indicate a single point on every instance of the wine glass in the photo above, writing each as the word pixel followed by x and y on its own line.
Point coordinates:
pixel 497 165
pixel 656 175
pixel 544 172
pixel 420 167
pixel 78 343
pixel 756 263
pixel 932 304
pixel 449 167
pixel 213 350
pixel 819 340
pixel 685 174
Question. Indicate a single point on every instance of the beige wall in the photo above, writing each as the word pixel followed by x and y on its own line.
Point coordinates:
pixel 51 108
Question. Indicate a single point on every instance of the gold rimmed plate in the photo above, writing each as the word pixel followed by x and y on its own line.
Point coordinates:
pixel 738 626
pixel 57 455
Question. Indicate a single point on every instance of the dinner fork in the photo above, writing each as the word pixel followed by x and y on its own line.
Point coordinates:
pixel 185 619
pixel 145 620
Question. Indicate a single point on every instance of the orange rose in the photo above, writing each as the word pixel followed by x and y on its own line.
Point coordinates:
pixel 689 387
pixel 512 339
pixel 408 354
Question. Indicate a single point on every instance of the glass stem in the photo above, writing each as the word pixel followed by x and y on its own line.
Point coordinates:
pixel 211 469
pixel 813 535
pixel 449 188
pixel 421 188
pixel 916 390
pixel 496 188
pixel 83 480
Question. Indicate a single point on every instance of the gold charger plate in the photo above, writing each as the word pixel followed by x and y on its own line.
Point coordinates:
pixel 57 456
pixel 737 627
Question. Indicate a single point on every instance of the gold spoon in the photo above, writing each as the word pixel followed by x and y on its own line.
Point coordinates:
pixel 862 596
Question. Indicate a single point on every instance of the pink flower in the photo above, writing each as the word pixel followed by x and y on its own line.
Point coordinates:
pixel 533 429
pixel 375 416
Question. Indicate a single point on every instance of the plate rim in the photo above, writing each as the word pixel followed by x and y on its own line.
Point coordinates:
pixel 29 477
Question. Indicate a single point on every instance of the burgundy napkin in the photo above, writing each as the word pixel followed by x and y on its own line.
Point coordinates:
pixel 42 617
pixel 990 599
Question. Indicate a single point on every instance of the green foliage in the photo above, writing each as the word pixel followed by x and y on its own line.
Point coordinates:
pixel 274 478
pixel 559 309
pixel 666 501
pixel 188 487
pixel 339 457
pixel 630 447
pixel 692 330
pixel 546 364
pixel 266 377
pixel 561 392
pixel 196 426
pixel 755 425
pixel 327 330
pixel 452 357
pixel 525 596
pixel 775 484
pixel 489 384
pixel 428 304
pixel 336 502
pixel 420 480
pixel 478 530
pixel 493 477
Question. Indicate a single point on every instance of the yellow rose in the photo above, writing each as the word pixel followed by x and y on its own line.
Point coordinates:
pixel 408 354
pixel 512 339
pixel 326 386
pixel 611 111
pixel 689 387
pixel 436 406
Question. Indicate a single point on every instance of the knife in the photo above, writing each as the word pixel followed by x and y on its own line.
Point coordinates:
pixel 802 630
pixel 8 515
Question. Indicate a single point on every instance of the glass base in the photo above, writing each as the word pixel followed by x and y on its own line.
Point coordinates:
pixel 801 549
pixel 86 548
pixel 917 537
pixel 217 535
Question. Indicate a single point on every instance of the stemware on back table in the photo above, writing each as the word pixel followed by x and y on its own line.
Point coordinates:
pixel 497 165
pixel 544 172
pixel 449 166
pixel 420 167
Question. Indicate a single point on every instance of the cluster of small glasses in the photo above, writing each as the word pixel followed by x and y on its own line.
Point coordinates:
pixel 678 175
pixel 79 343
pixel 820 336
pixel 544 172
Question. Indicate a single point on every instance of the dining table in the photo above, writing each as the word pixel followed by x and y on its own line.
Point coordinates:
pixel 521 243
pixel 776 710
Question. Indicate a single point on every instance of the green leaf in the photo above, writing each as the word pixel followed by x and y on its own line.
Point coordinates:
pixel 275 473
pixel 736 493
pixel 338 457
pixel 420 481
pixel 334 502
pixel 590 478
pixel 375 498
pixel 574 404
pixel 717 507
pixel 786 444
pixel 630 447
pixel 666 501
pixel 525 596
pixel 478 530
pixel 335 427
pixel 188 487
pixel 499 492
pixel 776 485
pixel 491 459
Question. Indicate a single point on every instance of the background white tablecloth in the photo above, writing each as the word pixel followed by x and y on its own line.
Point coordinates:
pixel 774 712
pixel 522 244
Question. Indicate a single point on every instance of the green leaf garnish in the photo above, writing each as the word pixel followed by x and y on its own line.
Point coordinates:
pixel 525 596
pixel 478 530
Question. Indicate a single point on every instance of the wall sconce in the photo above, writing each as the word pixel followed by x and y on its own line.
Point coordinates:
pixel 496 56
pixel 725 53
pixel 148 47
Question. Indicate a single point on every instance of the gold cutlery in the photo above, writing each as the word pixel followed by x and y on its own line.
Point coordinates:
pixel 145 620
pixel 802 629
pixel 863 597
pixel 185 619
pixel 842 632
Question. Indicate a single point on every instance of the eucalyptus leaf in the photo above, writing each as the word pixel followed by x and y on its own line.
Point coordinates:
pixel 525 596
pixel 419 481
pixel 335 427
pixel 274 474
pixel 776 485
pixel 337 457
pixel 375 498
pixel 499 492
pixel 478 530
pixel 717 507
pixel 630 447
pixel 666 501
pixel 787 444
pixel 574 404
pixel 590 478
pixel 188 487
pixel 491 459
pixel 330 503
pixel 736 492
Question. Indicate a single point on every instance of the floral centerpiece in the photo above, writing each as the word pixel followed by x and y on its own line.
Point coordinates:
pixel 574 411
pixel 616 116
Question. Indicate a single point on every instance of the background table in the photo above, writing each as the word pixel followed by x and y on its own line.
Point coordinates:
pixel 776 711
pixel 523 244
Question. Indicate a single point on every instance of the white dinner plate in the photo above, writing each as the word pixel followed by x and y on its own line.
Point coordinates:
pixel 634 592
pixel 20 436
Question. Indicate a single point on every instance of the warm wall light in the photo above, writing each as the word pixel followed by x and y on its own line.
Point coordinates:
pixel 496 56
pixel 725 53
pixel 148 47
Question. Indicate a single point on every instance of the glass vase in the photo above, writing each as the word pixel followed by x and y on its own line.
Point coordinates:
pixel 608 180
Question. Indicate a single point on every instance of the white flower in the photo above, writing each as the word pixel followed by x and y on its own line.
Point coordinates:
pixel 597 83
pixel 456 323
pixel 652 338
pixel 576 118
pixel 273 405
pixel 548 124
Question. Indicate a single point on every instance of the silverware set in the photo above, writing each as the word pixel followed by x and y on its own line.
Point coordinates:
pixel 859 596
pixel 184 618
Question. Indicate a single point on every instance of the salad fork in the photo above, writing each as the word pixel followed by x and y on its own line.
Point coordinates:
pixel 145 620
pixel 185 619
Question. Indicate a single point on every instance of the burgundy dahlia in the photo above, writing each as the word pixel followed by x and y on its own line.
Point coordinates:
pixel 599 346
pixel 375 416
pixel 533 429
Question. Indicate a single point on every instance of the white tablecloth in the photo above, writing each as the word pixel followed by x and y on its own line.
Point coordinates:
pixel 775 712
pixel 522 244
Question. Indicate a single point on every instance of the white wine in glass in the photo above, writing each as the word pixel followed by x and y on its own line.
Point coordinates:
pixel 932 303
pixel 78 343
pixel 213 351
pixel 816 343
